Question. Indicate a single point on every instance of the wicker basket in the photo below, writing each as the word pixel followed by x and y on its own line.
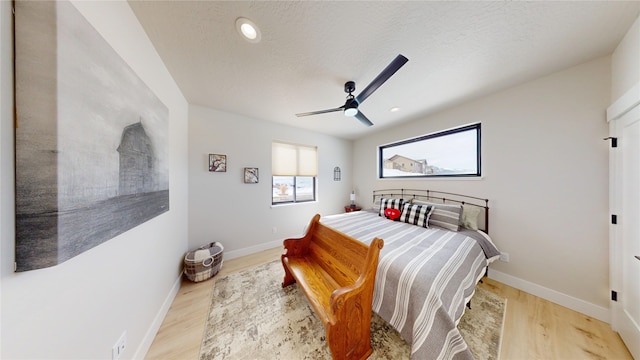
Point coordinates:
pixel 204 262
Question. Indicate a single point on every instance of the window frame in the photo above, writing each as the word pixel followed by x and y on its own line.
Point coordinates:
pixel 476 126
pixel 291 161
pixel 295 190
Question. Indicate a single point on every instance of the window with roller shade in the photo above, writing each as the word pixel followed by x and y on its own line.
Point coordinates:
pixel 294 171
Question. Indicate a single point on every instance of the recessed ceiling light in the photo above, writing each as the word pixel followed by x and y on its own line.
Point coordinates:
pixel 395 109
pixel 248 30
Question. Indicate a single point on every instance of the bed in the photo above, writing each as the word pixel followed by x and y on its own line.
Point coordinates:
pixel 425 275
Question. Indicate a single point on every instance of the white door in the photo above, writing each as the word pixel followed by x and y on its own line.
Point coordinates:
pixel 625 246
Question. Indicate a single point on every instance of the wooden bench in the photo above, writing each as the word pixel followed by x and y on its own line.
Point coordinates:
pixel 337 274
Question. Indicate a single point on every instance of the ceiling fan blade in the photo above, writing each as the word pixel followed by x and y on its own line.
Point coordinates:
pixel 341 108
pixel 391 69
pixel 363 119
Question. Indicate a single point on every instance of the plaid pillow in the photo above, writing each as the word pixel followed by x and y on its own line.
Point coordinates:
pixel 416 214
pixel 393 203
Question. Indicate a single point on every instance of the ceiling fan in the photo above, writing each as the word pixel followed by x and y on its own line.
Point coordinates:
pixel 350 107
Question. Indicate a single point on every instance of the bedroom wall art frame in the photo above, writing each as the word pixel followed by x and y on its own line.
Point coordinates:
pixel 92 140
pixel 217 163
pixel 251 175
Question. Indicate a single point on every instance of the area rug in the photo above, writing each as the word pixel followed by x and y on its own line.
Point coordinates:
pixel 253 317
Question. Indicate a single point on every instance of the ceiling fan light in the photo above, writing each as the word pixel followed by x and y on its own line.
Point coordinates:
pixel 351 108
pixel 350 111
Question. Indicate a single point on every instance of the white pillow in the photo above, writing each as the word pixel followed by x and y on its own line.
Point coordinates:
pixel 376 204
pixel 470 215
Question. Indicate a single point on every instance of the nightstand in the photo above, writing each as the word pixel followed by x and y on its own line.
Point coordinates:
pixel 348 208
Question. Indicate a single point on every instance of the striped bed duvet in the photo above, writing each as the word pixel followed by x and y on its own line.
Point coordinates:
pixel 425 277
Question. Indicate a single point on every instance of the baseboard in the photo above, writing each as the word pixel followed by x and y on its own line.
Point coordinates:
pixel 150 335
pixel 228 255
pixel 568 301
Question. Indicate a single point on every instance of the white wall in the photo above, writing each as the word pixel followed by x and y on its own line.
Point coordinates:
pixel 223 208
pixel 625 63
pixel 7 218
pixel 545 171
pixel 78 309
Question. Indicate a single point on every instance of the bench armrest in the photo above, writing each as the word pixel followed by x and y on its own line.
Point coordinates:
pixel 299 246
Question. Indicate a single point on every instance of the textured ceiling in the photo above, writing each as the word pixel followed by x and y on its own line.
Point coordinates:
pixel 457 51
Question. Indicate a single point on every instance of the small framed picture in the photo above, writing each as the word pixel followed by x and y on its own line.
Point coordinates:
pixel 250 175
pixel 217 163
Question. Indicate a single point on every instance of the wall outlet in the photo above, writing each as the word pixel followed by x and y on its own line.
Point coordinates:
pixel 504 257
pixel 119 346
pixel 274 230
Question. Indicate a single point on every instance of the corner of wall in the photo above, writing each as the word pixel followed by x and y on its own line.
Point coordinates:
pixel 625 72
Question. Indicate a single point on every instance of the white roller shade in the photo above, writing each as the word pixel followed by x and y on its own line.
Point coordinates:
pixel 294 160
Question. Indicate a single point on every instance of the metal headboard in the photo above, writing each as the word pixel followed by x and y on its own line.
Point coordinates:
pixel 437 196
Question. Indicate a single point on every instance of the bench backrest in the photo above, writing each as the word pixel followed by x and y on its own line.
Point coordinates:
pixel 341 256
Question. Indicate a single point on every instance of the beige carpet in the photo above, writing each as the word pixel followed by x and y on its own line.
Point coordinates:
pixel 253 317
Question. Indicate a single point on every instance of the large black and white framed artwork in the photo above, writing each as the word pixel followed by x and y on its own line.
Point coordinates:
pixel 92 139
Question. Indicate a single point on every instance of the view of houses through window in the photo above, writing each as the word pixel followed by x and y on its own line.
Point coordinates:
pixel 293 189
pixel 454 152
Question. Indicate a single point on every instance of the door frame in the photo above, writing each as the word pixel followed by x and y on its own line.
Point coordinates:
pixel 626 103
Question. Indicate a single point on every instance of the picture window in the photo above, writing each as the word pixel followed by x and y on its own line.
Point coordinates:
pixel 450 153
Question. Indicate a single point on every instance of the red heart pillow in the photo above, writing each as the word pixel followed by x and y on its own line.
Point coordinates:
pixel 392 213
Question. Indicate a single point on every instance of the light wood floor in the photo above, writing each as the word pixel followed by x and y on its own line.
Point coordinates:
pixel 534 328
